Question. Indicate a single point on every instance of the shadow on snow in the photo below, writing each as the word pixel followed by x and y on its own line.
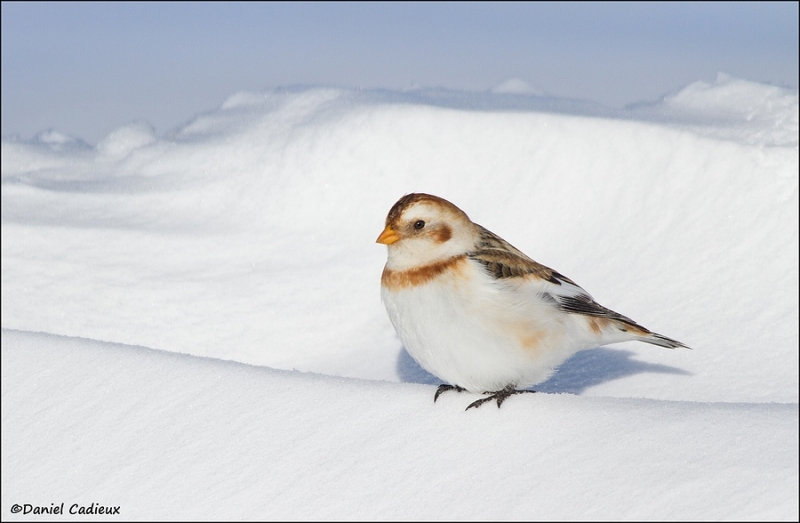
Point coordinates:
pixel 583 370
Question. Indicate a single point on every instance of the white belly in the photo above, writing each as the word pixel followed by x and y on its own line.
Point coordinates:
pixel 475 336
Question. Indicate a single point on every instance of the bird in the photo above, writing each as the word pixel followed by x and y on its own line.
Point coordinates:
pixel 478 313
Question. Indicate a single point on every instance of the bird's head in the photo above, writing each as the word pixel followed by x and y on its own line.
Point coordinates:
pixel 422 229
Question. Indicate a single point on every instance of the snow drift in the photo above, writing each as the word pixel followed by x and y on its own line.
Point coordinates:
pixel 248 235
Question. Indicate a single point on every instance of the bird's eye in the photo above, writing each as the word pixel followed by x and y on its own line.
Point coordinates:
pixel 419 224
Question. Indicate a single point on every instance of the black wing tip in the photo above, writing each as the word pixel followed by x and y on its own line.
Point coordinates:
pixel 664 341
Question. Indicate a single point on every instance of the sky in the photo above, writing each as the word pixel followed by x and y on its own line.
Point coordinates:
pixel 85 69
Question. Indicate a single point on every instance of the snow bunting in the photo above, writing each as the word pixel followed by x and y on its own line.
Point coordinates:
pixel 478 313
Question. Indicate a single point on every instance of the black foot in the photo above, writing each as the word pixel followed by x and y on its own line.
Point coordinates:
pixel 500 396
pixel 445 388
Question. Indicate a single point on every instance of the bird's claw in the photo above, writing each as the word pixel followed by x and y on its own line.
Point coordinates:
pixel 445 388
pixel 500 396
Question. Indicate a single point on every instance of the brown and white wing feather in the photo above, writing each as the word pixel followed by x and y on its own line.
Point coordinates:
pixel 504 261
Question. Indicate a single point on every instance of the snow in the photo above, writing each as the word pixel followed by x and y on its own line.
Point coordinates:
pixel 515 86
pixel 192 325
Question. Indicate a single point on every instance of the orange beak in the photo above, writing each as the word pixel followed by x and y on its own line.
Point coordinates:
pixel 388 236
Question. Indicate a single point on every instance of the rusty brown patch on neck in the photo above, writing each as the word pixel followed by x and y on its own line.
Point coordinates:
pixel 398 280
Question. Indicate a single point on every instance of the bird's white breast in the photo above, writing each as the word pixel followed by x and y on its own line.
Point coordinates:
pixel 477 332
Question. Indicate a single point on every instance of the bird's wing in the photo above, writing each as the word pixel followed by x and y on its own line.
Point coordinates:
pixel 504 261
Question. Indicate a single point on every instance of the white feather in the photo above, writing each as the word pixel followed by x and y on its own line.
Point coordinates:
pixel 484 334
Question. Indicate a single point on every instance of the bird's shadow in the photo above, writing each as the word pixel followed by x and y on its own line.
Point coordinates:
pixel 583 370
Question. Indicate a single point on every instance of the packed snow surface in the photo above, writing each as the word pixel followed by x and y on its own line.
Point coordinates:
pixel 192 325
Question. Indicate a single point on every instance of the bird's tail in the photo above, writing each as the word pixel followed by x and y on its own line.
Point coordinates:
pixel 662 341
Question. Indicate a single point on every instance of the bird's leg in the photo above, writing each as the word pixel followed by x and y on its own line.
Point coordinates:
pixel 500 396
pixel 445 388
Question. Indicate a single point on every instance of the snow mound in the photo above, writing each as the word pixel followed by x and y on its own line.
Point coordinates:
pixel 169 436
pixel 126 139
pixel 249 233
pixel 739 110
pixel 241 248
pixel 516 86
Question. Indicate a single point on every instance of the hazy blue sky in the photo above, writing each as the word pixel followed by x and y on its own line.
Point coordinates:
pixel 87 68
